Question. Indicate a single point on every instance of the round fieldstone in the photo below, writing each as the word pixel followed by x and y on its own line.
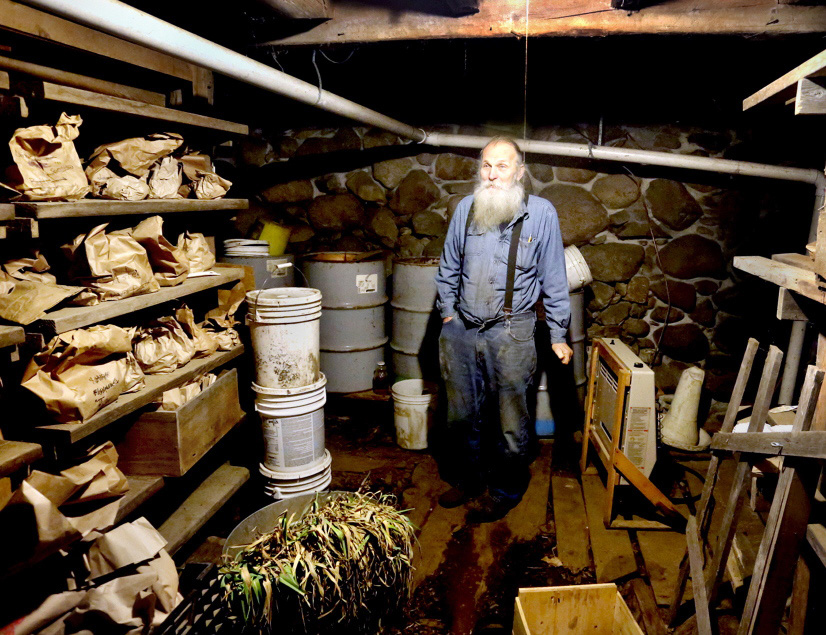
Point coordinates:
pixel 574 175
pixel 667 375
pixel 660 313
pixel 425 158
pixel 415 193
pixel 706 287
pixel 301 233
pixel 639 310
pixel 613 262
pixel 336 212
pixel 615 314
pixel 464 188
pixel 598 330
pixel 377 138
pixel 254 151
pixel 330 184
pixel 602 294
pixel 383 226
pixel 684 342
pixel 291 192
pixel 616 190
pixel 541 172
pixel 362 185
pixel 350 243
pixel 452 203
pixel 344 139
pixel 731 335
pixel 638 290
pixel 411 247
pixel 453 167
pixel 429 224
pixel 704 314
pixel 682 294
pixel 671 204
pixel 390 173
pixel 635 328
pixel 581 216
pixel 284 147
pixel 433 249
pixel 693 257
pixel 711 141
pixel 633 222
pixel 666 141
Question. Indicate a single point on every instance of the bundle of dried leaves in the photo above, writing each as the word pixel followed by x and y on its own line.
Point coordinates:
pixel 342 567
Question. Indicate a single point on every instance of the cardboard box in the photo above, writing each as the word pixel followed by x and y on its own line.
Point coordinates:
pixel 168 443
pixel 596 609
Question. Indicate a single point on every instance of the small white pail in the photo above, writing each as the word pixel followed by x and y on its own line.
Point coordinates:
pixel 281 485
pixel 414 401
pixel 579 274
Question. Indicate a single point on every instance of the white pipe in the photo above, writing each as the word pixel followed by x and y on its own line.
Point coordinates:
pixel 134 25
pixel 577 335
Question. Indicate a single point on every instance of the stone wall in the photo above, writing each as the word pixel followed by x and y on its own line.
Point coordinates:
pixel 659 242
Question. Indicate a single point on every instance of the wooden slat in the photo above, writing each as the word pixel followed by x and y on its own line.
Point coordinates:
pixel 571 521
pixel 16 454
pixel 6 211
pixel 811 444
pixel 202 504
pixel 787 82
pixel 810 98
pixel 695 558
pixel 787 306
pixel 802 261
pixel 77 317
pixel 100 207
pixel 62 433
pixel 82 81
pixel 794 278
pixel 80 97
pixel 23 19
pixel 651 620
pixel 816 537
pixel 613 553
pixel 11 335
pixel 647 488
pixel 141 488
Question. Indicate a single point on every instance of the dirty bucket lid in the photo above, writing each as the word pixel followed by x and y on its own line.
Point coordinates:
pixel 311 470
pixel 288 392
pixel 414 388
pixel 283 296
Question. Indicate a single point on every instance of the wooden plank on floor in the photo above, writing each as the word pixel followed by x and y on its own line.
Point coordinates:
pixel 613 554
pixel 526 519
pixel 651 621
pixel 662 552
pixel 571 522
pixel 202 504
pixel 434 539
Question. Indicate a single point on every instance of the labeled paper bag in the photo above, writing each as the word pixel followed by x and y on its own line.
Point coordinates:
pixel 112 266
pixel 170 264
pixel 48 164
pixel 197 251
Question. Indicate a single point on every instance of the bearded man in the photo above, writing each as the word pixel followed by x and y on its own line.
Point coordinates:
pixel 503 251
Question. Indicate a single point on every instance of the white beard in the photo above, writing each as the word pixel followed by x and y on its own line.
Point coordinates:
pixel 493 206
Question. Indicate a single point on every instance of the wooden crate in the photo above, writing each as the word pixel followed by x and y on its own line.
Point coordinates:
pixel 596 609
pixel 168 443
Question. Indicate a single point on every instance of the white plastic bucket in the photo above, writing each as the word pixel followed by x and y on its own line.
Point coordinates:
pixel 293 426
pixel 579 274
pixel 414 401
pixel 280 485
pixel 285 336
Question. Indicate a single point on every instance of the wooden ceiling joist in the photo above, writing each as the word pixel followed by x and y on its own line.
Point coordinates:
pixel 360 23
pixel 785 87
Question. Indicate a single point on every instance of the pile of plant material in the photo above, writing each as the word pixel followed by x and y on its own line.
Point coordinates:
pixel 345 566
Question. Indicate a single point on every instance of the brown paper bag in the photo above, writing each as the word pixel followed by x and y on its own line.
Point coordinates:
pixel 135 155
pixel 165 178
pixel 26 301
pixel 210 186
pixel 33 268
pixel 113 266
pixel 228 302
pixel 194 163
pixel 163 346
pixel 82 371
pixel 169 262
pixel 174 398
pixel 125 188
pixel 47 160
pixel 204 342
pixel 197 251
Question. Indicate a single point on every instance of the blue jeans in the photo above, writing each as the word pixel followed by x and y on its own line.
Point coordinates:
pixel 487 370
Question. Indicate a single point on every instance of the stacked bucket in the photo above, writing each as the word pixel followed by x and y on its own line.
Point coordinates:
pixel 289 389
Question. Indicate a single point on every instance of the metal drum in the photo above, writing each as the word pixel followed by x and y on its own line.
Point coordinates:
pixel 353 333
pixel 416 321
pixel 270 271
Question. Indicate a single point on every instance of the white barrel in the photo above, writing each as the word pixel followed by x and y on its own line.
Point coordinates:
pixel 269 271
pixel 353 332
pixel 414 299
pixel 414 402
pixel 284 328
pixel 579 274
pixel 280 485
pixel 292 421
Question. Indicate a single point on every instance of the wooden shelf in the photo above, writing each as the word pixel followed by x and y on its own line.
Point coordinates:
pixel 785 270
pixel 16 454
pixel 75 317
pixel 6 211
pixel 202 504
pixel 63 433
pixel 141 488
pixel 77 96
pixel 100 207
pixel 11 335
pixel 785 86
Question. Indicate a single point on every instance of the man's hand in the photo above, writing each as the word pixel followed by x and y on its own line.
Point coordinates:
pixel 563 352
pixel 447 319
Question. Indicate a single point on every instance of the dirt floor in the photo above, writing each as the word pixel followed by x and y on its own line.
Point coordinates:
pixel 467 576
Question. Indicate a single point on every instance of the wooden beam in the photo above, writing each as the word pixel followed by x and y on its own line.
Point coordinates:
pixel 695 558
pixel 79 97
pixel 99 207
pixel 803 281
pixel 784 86
pixel 811 97
pixel 810 444
pixel 82 81
pixel 302 9
pixel 16 454
pixel 788 308
pixel 359 23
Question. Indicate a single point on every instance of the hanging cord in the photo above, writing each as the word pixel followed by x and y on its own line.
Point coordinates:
pixel 525 95
pixel 274 55
pixel 345 60
pixel 318 74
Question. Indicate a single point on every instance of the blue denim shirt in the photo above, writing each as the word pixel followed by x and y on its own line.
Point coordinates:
pixel 540 268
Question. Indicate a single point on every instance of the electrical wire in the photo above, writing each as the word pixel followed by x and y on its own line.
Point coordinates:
pixel 318 74
pixel 344 61
pixel 525 95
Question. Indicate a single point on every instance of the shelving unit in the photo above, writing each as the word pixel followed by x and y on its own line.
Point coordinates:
pixel 98 207
pixel 11 335
pixel 76 317
pixel 156 385
pixel 16 454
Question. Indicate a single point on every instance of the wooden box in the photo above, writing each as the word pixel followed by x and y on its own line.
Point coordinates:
pixel 168 443
pixel 596 609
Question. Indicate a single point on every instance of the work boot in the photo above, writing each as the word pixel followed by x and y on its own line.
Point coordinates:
pixel 459 495
pixel 488 509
